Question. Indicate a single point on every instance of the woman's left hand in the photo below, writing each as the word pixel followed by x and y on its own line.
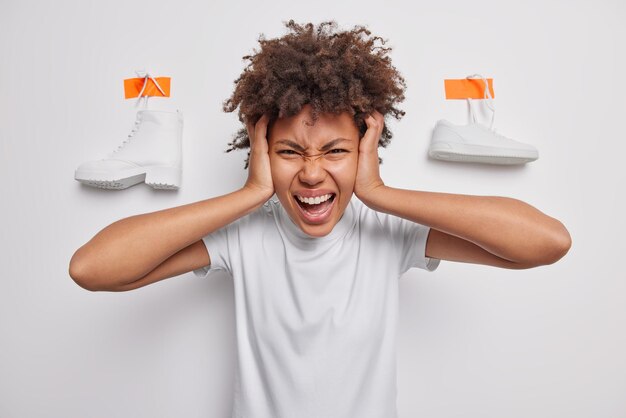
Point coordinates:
pixel 368 181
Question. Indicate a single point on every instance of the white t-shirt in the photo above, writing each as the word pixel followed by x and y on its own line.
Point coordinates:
pixel 316 317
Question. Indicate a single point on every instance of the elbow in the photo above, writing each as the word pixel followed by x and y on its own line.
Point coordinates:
pixel 549 249
pixel 90 274
pixel 556 246
pixel 562 242
pixel 81 273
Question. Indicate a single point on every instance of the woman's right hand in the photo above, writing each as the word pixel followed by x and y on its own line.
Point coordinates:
pixel 259 173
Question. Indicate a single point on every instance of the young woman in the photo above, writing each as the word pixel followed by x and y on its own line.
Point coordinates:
pixel 315 269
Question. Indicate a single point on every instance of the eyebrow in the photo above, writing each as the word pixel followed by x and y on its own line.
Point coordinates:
pixel 299 147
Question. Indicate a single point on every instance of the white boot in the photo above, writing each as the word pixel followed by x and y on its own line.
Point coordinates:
pixel 151 153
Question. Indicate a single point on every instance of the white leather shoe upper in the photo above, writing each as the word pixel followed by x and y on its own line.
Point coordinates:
pixel 156 140
pixel 107 165
pixel 475 134
pixel 152 152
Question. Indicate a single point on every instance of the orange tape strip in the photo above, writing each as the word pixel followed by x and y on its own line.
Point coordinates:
pixel 132 87
pixel 465 88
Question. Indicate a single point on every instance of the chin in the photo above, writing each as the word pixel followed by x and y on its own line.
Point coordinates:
pixel 317 231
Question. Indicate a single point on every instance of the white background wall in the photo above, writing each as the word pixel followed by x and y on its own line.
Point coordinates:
pixel 473 341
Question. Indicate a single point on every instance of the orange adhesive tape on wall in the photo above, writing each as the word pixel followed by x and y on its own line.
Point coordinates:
pixel 132 87
pixel 465 88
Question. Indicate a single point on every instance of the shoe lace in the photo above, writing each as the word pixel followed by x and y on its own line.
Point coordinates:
pixel 489 101
pixel 146 76
pixel 130 135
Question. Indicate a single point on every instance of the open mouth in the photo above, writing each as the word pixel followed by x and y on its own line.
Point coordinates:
pixel 314 209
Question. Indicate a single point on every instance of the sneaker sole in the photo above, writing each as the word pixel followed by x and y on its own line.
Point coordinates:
pixel 480 154
pixel 163 178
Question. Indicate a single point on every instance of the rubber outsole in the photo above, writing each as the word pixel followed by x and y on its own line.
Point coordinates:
pixel 161 178
pixel 485 155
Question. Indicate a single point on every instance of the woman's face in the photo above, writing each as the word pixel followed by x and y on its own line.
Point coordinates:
pixel 326 179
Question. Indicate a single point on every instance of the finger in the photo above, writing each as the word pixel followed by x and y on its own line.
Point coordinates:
pixel 251 128
pixel 380 120
pixel 372 135
pixel 376 119
pixel 377 115
pixel 257 134
pixel 260 132
pixel 261 126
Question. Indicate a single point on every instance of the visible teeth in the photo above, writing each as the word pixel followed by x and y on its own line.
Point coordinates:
pixel 314 200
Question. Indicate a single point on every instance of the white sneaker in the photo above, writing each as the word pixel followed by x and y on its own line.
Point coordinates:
pixel 151 153
pixel 475 142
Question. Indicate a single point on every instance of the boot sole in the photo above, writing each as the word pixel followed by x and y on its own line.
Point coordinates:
pixel 480 154
pixel 163 178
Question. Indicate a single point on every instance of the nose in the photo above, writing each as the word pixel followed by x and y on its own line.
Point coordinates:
pixel 312 171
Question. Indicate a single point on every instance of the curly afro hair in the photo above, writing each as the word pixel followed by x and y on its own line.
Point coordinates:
pixel 333 71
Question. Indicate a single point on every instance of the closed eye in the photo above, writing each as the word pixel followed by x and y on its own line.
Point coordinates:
pixel 287 151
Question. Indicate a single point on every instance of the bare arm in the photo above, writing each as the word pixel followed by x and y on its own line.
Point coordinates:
pixel 142 249
pixel 491 230
pixel 189 258
pixel 131 248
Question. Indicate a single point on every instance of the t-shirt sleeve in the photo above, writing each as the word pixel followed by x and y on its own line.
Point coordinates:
pixel 218 244
pixel 414 247
pixel 410 239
